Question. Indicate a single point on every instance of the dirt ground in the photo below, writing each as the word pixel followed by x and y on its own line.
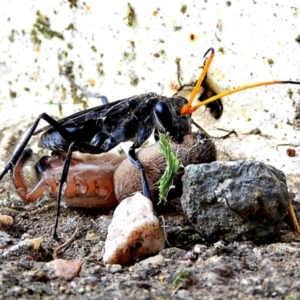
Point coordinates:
pixel 189 269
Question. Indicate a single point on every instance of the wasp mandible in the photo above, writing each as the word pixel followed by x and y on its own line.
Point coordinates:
pixel 100 129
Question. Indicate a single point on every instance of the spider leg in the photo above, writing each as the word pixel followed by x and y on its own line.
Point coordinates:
pixel 17 178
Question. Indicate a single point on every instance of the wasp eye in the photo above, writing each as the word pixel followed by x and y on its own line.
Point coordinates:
pixel 163 115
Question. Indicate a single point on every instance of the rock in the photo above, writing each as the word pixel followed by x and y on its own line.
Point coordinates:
pixel 196 148
pixel 67 269
pixel 235 200
pixel 134 232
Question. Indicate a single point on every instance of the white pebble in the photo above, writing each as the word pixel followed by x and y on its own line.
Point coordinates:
pixel 134 232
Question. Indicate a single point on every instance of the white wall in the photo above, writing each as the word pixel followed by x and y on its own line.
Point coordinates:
pixel 251 33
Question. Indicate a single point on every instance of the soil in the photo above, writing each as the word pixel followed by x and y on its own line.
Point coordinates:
pixel 189 269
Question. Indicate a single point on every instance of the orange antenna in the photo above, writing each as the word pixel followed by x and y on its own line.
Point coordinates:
pixel 186 108
pixel 189 109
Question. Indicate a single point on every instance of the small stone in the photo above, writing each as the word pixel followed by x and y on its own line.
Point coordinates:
pixel 5 237
pixel 6 221
pixel 223 270
pixel 268 265
pixel 24 246
pixel 134 232
pixel 190 255
pixel 91 236
pixel 219 245
pixel 199 249
pixel 183 294
pixel 36 243
pixel 26 236
pixel 35 275
pixel 113 268
pixel 152 261
pixel 67 269
pixel 173 253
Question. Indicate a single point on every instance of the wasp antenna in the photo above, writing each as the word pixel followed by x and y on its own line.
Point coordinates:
pixel 186 108
pixel 209 50
pixel 191 109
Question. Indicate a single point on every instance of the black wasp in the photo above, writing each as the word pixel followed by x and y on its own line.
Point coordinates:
pixel 99 129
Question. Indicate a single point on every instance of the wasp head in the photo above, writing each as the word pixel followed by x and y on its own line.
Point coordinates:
pixel 169 120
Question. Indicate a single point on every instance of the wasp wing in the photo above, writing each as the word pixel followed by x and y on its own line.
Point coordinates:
pixel 113 108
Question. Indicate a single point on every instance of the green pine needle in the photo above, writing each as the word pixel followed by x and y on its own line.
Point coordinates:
pixel 173 165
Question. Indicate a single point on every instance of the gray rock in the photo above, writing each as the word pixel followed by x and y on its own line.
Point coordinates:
pixel 235 200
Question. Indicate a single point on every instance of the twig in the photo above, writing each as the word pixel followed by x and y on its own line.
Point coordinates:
pixel 67 243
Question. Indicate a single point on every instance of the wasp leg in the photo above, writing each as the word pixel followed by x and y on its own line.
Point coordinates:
pixel 37 191
pixel 142 135
pixel 62 180
pixel 213 137
pixel 134 160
